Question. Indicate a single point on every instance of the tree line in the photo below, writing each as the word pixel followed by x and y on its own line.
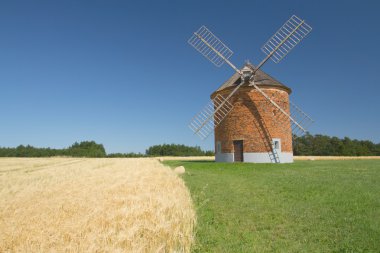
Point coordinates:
pixel 93 149
pixel 82 149
pixel 323 145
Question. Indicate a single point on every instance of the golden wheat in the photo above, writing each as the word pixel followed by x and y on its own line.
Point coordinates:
pixel 93 205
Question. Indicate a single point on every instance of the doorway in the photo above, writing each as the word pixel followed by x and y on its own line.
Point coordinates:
pixel 238 151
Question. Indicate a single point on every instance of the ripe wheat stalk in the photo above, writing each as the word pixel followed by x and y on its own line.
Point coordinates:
pixel 93 205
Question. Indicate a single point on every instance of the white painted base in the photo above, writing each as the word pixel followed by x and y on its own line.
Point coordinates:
pixel 224 157
pixel 254 157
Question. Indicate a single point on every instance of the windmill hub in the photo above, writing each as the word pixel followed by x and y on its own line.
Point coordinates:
pixel 246 74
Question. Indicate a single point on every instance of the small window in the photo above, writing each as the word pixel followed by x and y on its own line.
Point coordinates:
pixel 218 147
pixel 276 144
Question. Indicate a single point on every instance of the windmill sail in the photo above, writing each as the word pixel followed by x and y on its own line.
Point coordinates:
pixel 211 116
pixel 301 117
pixel 206 43
pixel 286 38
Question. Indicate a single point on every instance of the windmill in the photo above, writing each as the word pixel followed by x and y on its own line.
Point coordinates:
pixel 267 100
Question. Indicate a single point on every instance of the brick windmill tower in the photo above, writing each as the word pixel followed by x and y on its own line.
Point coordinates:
pixel 251 113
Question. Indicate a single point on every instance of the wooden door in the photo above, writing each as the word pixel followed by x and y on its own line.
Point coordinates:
pixel 238 151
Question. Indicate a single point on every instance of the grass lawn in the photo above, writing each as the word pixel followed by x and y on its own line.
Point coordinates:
pixel 307 206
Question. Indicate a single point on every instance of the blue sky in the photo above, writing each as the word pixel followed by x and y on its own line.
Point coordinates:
pixel 121 72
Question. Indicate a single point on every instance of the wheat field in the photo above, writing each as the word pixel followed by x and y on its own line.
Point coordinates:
pixel 93 205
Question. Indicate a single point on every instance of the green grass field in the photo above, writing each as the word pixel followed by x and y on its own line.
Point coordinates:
pixel 307 206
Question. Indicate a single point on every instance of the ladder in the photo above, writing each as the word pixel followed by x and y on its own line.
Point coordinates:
pixel 267 139
pixel 273 155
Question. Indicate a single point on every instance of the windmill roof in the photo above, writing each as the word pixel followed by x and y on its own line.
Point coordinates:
pixel 261 79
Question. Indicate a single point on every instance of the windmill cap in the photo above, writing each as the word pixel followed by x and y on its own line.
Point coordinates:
pixel 261 78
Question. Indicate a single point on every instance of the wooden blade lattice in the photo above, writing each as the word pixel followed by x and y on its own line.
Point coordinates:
pixel 286 38
pixel 205 42
pixel 211 116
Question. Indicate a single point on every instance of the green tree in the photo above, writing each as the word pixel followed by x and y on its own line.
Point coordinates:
pixel 86 149
pixel 176 150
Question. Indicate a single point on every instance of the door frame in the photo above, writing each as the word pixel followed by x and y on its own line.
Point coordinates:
pixel 241 143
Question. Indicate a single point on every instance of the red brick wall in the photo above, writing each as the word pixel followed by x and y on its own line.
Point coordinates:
pixel 255 121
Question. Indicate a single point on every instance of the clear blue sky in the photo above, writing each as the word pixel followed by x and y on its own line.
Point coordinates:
pixel 121 72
